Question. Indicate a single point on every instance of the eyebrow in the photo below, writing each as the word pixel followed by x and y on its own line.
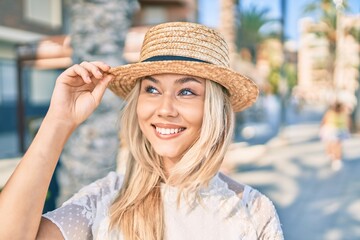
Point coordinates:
pixel 180 80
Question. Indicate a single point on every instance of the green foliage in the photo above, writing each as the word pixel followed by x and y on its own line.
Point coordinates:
pixel 326 12
pixel 274 79
pixel 289 73
pixel 249 36
pixel 248 26
pixel 355 32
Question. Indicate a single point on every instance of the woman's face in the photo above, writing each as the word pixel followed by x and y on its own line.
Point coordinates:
pixel 170 112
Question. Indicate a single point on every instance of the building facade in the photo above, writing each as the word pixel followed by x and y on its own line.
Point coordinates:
pixel 325 77
pixel 22 22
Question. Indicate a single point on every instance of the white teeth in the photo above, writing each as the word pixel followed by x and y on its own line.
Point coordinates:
pixel 168 131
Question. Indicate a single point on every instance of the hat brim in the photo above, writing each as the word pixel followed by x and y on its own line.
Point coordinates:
pixel 243 91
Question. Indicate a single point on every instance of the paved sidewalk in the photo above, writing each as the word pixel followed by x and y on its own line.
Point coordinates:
pixel 313 201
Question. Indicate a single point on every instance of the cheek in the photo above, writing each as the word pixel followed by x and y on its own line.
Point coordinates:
pixel 194 115
pixel 141 108
pixel 199 118
pixel 144 111
pixel 140 113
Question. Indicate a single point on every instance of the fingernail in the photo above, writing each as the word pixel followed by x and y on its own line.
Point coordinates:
pixel 98 72
pixel 88 79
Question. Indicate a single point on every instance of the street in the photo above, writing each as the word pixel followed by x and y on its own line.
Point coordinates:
pixel 313 201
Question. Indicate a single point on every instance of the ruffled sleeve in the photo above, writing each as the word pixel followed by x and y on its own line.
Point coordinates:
pixel 80 216
pixel 263 215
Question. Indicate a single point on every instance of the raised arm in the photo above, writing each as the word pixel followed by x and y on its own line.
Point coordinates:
pixel 77 93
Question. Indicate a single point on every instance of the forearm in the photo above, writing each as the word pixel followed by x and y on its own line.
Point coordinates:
pixel 77 93
pixel 23 197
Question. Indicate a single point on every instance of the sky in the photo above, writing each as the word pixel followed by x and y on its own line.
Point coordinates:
pixel 209 12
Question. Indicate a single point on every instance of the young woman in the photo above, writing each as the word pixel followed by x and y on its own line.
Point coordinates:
pixel 334 129
pixel 177 124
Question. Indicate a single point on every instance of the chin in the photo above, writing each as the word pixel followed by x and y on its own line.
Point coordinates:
pixel 174 157
pixel 170 156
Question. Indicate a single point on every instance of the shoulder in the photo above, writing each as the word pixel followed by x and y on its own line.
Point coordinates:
pixel 251 197
pixel 260 209
pixel 233 185
pixel 106 186
pixel 329 114
pixel 245 192
pixel 112 180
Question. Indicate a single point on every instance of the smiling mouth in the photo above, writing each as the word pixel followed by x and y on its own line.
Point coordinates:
pixel 168 131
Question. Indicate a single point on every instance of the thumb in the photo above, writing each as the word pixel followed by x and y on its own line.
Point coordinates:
pixel 100 88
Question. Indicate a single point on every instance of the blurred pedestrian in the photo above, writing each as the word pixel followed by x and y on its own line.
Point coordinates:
pixel 177 124
pixel 335 127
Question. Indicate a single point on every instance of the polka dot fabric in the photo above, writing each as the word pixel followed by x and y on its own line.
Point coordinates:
pixel 85 215
pixel 221 214
pixel 72 222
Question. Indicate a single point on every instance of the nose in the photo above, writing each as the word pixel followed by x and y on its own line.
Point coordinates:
pixel 167 106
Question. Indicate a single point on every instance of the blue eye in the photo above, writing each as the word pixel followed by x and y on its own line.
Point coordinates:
pixel 186 92
pixel 151 89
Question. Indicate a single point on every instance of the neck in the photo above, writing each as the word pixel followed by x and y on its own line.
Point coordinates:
pixel 168 164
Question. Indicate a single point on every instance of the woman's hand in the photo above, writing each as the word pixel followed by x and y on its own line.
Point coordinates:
pixel 78 91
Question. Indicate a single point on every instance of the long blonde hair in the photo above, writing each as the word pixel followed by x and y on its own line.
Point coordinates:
pixel 138 210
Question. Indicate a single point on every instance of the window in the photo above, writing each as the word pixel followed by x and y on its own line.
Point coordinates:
pixel 154 15
pixel 8 100
pixel 38 85
pixel 8 83
pixel 41 84
pixel 46 12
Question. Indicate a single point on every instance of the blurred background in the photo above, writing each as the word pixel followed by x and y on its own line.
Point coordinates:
pixel 303 54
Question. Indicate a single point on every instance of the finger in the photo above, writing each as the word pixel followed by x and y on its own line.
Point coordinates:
pixel 94 69
pixel 103 66
pixel 100 88
pixel 77 70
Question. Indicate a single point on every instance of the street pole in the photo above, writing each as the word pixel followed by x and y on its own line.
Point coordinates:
pixel 355 116
pixel 283 80
pixel 338 81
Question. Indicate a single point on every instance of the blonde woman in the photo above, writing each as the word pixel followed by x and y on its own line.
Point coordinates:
pixel 177 124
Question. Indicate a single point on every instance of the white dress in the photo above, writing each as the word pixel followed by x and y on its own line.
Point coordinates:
pixel 221 215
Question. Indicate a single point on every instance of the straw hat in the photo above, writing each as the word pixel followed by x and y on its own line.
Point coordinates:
pixel 187 49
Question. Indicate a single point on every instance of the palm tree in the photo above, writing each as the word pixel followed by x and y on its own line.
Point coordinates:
pixel 326 12
pixel 355 116
pixel 248 26
pixel 227 24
